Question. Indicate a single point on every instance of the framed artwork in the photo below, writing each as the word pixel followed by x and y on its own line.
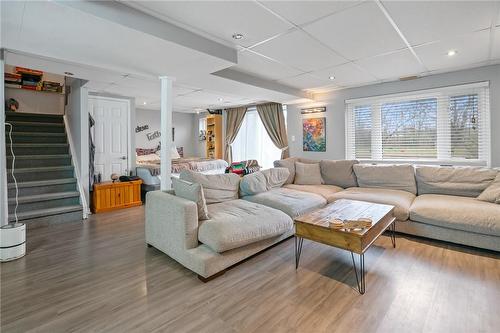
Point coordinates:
pixel 314 134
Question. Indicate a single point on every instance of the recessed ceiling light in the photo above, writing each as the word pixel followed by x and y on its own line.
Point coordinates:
pixel 451 53
pixel 144 103
pixel 237 36
pixel 69 73
pixel 331 77
pixel 220 99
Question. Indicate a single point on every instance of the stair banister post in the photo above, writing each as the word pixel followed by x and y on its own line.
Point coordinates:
pixel 166 103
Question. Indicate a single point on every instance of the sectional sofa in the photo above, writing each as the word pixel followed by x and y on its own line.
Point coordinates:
pixel 247 215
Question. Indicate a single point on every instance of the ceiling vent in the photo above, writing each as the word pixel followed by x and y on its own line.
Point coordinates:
pixel 408 78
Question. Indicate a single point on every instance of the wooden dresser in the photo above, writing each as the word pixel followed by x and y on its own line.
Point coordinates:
pixel 110 196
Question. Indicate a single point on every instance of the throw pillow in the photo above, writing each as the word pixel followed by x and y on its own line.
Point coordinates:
pixel 217 188
pixel 339 173
pixel 253 183
pixel 192 192
pixel 276 177
pixel 307 174
pixel 288 163
pixel 492 192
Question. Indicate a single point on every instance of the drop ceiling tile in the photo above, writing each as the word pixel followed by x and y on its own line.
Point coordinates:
pixel 297 49
pixel 221 18
pixel 392 66
pixel 258 65
pixel 305 81
pixel 300 12
pixel 357 32
pixel 471 48
pixel 427 21
pixel 346 75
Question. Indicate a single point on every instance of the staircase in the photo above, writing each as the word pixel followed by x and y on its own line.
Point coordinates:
pixel 48 191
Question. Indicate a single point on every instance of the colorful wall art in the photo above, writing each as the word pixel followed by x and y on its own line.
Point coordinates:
pixel 314 134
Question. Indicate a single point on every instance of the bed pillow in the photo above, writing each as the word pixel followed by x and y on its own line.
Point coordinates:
pixel 276 177
pixel 147 158
pixel 253 183
pixel 492 192
pixel 307 174
pixel 216 188
pixel 192 192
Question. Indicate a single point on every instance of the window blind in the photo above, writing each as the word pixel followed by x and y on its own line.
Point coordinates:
pixel 446 126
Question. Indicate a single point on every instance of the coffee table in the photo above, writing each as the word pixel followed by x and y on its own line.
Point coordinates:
pixel 315 226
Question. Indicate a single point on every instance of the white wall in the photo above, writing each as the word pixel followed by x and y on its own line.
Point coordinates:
pixel 186 133
pixel 77 117
pixel 335 109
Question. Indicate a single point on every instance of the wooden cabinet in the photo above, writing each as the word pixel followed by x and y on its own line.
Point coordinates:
pixel 110 196
pixel 214 136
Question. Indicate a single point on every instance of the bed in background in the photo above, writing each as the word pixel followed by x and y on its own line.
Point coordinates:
pixel 148 166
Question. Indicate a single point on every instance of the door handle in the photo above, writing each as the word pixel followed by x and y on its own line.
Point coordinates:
pixel 123 158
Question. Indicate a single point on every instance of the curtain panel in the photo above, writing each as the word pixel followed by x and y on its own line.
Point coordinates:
pixel 274 122
pixel 234 119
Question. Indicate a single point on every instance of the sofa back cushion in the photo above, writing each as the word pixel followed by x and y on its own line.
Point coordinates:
pixel 339 173
pixel 253 183
pixel 276 177
pixel 307 174
pixel 193 192
pixel 216 188
pixel 395 177
pixel 492 192
pixel 288 163
pixel 461 181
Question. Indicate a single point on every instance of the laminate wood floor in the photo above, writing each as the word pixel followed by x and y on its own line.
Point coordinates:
pixel 98 276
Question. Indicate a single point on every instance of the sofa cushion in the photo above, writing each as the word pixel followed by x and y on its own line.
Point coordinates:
pixel 217 188
pixel 237 223
pixel 401 200
pixel 288 163
pixel 394 177
pixel 276 177
pixel 339 173
pixel 326 191
pixel 193 192
pixel 307 174
pixel 462 181
pixel 253 183
pixel 291 202
pixel 455 212
pixel 492 192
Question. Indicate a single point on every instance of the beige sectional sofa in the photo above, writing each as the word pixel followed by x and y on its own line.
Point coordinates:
pixel 247 216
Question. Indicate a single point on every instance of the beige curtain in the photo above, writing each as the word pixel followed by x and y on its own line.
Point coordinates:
pixel 234 119
pixel 274 121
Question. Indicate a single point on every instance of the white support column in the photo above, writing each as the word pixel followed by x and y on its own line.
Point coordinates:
pixel 4 219
pixel 166 131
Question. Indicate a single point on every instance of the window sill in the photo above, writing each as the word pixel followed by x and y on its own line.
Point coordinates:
pixel 427 162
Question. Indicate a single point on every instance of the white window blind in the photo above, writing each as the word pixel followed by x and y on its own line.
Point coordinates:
pixel 443 126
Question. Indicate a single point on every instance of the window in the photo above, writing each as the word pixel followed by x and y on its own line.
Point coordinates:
pixel 253 142
pixel 447 126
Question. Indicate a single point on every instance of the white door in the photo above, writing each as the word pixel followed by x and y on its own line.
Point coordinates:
pixel 111 131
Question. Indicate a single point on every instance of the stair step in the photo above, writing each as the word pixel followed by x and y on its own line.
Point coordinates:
pixel 37 148
pixel 42 201
pixel 32 161
pixel 40 217
pixel 34 117
pixel 40 137
pixel 30 126
pixel 45 173
pixel 42 187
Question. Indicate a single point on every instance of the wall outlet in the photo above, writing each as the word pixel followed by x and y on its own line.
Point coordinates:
pixel 293 138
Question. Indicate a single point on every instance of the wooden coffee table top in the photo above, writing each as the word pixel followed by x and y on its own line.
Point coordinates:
pixel 315 225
